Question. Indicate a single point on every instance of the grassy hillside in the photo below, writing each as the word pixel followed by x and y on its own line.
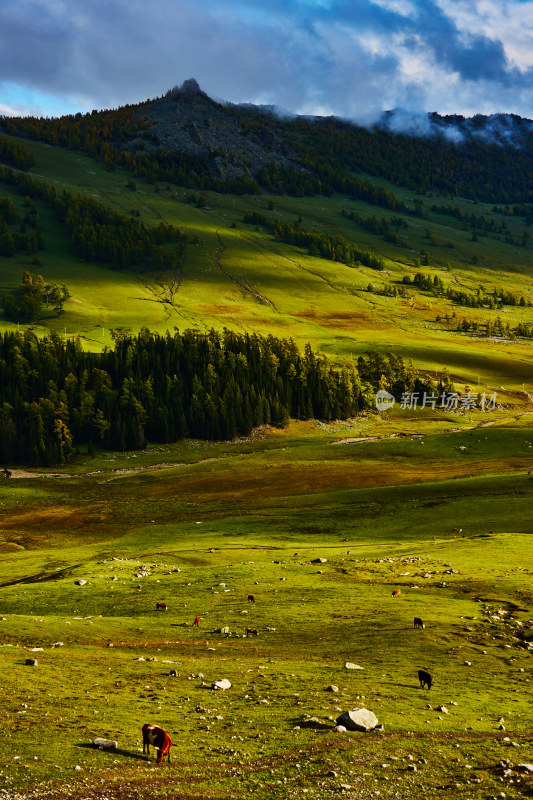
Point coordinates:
pixel 239 276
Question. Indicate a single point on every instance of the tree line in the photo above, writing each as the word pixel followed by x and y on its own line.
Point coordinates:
pixel 55 396
pixel 14 241
pixel 15 155
pixel 490 328
pixel 380 227
pixel 324 245
pixel 98 233
pixel 498 299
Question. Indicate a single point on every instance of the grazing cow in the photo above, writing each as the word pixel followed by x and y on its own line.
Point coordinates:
pixel 424 678
pixel 418 623
pixel 251 598
pixel 396 592
pixel 158 738
pixel 196 623
pixel 251 631
pixel 161 606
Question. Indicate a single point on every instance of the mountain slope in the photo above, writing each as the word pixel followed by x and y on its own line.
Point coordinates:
pixel 290 269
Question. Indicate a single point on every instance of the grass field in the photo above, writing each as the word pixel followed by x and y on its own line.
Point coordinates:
pixel 211 524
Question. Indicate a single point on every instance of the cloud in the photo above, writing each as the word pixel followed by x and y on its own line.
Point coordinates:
pixel 353 58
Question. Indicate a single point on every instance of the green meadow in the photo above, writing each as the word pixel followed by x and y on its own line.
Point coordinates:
pixel 201 526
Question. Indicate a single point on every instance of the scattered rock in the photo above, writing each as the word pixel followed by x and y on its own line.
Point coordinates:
pixel 221 684
pixel 332 688
pixel 442 709
pixel 524 767
pixel 224 630
pixel 339 729
pixel 359 719
pixel 351 665
pixel 319 561
pixel 105 744
pixel 81 582
pixel 31 662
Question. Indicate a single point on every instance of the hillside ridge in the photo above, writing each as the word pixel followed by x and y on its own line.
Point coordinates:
pixel 188 138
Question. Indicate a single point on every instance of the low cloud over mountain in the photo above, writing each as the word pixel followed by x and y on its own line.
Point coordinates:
pixel 352 58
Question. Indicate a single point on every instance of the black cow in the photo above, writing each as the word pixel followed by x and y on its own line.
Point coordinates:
pixel 424 678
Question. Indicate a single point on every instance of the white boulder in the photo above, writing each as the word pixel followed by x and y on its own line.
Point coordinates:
pixel 221 684
pixel 359 719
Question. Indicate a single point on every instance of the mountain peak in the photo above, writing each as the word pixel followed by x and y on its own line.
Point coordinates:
pixel 188 88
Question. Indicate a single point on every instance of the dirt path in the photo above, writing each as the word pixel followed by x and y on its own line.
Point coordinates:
pixel 22 473
pixel 403 434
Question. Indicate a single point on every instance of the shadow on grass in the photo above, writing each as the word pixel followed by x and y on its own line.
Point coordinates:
pixel 312 722
pixel 404 685
pixel 117 751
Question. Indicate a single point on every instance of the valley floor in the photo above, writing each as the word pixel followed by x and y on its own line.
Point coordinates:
pixel 321 534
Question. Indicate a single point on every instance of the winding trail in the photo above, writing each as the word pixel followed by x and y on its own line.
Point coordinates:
pixel 242 286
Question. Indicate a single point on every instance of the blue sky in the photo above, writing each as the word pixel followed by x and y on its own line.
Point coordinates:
pixel 352 58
